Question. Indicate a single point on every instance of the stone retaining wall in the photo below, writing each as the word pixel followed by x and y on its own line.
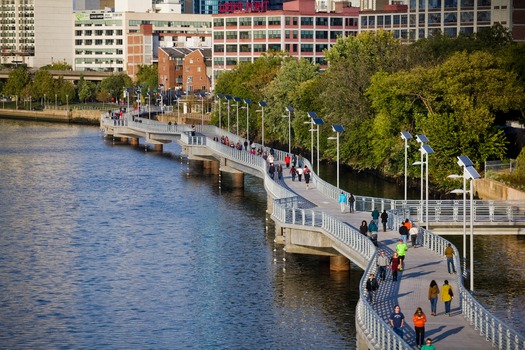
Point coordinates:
pixel 490 189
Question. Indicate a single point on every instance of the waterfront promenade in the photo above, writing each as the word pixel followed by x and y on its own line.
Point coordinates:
pixel 411 289
pixel 422 264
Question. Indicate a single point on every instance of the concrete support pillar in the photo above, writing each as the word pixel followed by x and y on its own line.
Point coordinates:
pixel 211 167
pixel 339 263
pixel 158 147
pixel 134 141
pixel 124 139
pixel 233 179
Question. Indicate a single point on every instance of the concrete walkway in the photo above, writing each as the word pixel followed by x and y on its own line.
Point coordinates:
pixel 411 289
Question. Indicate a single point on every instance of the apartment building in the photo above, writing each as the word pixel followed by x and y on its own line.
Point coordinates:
pixel 303 29
pixel 102 39
pixel 185 69
pixel 36 32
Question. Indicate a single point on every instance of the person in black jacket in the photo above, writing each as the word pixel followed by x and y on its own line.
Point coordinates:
pixel 371 287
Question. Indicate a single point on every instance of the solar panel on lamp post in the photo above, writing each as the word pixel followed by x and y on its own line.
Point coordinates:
pixel 422 139
pixel 338 129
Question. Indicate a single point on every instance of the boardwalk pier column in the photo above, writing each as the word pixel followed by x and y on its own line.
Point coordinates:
pixel 211 167
pixel 134 141
pixel 158 147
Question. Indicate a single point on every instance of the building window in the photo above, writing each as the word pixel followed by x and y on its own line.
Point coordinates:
pixel 218 35
pixel 450 17
pixel 245 21
pixel 307 48
pixel 259 47
pixel 218 22
pixel 245 48
pixel 307 34
pixel 259 34
pixel 307 21
pixel 321 21
pixel 336 22
pixel 231 48
pixel 483 16
pixel 231 61
pixel 259 21
pixel 231 22
pixel 218 48
pixel 274 47
pixel 274 34
pixel 231 34
pixel 244 35
pixel 274 21
pixel 321 34
pixel 335 34
pixel 467 17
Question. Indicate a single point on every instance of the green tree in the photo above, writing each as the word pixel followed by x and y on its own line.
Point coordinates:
pixel 115 85
pixel 285 90
pixel 103 96
pixel 148 77
pixel 61 65
pixel 44 84
pixel 453 104
pixel 17 80
pixel 85 89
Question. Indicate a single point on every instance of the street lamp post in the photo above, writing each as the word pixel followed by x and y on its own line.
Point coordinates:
pixel 202 108
pixel 312 115
pixel 262 104
pixel 220 96
pixel 422 139
pixel 44 101
pixel 30 103
pixel 149 104
pixel 56 101
pixel 338 129
pixel 67 103
pixel 289 109
pixel 405 135
pixel 228 98
pixel 247 101
pixel 426 149
pixel 469 173
pixel 237 100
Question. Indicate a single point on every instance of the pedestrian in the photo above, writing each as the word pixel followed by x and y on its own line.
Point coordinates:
pixel 300 161
pixel 299 173
pixel 271 170
pixel 419 326
pixel 395 265
pixel 401 249
pixel 433 294
pixel 375 215
pixel 372 232
pixel 449 253
pixel 428 345
pixel 280 171
pixel 382 263
pixel 287 160
pixel 403 233
pixel 413 235
pixel 446 296
pixel 306 173
pixel 294 160
pixel 270 158
pixel 397 321
pixel 364 228
pixel 351 201
pixel 342 201
pixel 371 288
pixel 384 219
pixel 293 171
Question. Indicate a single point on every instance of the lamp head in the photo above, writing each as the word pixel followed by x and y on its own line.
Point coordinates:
pixel 421 138
pixel 405 135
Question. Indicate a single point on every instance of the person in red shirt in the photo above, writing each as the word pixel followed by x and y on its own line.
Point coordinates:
pixel 287 160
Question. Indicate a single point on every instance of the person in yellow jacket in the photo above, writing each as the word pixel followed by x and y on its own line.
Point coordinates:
pixel 446 296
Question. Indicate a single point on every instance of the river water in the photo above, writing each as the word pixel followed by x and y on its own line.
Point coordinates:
pixel 104 245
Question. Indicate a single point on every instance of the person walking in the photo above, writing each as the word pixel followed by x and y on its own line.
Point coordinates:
pixel 271 170
pixel 371 287
pixel 397 321
pixel 342 201
pixel 428 345
pixel 351 200
pixel 446 296
pixel 293 171
pixel 384 219
pixel 395 265
pixel 419 326
pixel 364 228
pixel 299 173
pixel 375 215
pixel 372 231
pixel 287 160
pixel 449 253
pixel 433 294
pixel 401 249
pixel 382 263
pixel 294 160
pixel 403 233
pixel 280 171
pixel 413 235
pixel 306 173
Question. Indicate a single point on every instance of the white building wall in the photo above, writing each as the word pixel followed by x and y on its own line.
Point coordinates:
pixel 133 5
pixel 53 32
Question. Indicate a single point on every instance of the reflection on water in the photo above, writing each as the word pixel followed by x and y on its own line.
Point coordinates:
pixel 106 246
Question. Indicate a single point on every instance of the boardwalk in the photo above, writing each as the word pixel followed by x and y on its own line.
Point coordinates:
pixel 411 290
pixel 422 264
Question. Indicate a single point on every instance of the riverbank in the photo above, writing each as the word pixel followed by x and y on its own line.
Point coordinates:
pixel 73 116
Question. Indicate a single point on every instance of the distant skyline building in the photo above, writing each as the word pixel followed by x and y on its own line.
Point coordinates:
pixel 36 32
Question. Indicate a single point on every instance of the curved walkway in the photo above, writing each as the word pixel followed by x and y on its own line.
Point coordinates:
pixel 411 290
